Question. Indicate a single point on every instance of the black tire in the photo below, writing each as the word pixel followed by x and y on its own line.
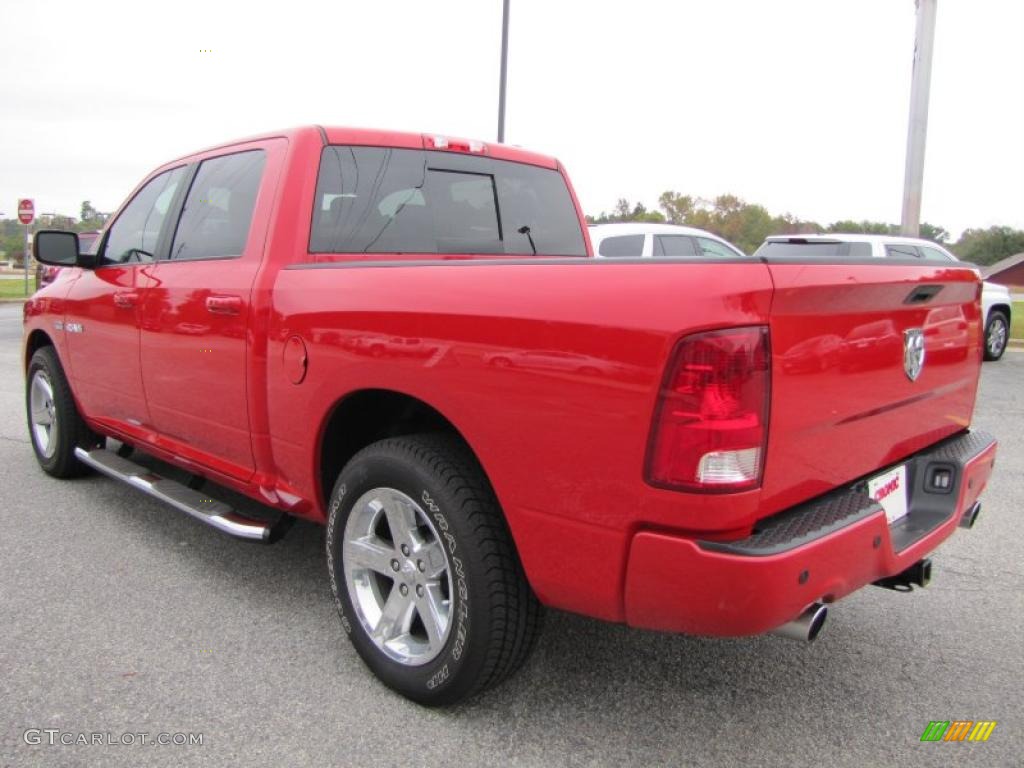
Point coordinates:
pixel 997 334
pixel 494 617
pixel 69 429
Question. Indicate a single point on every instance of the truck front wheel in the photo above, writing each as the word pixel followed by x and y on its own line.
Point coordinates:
pixel 425 576
pixel 54 423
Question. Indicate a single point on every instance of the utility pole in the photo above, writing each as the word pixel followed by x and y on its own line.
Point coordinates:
pixel 504 72
pixel 917 128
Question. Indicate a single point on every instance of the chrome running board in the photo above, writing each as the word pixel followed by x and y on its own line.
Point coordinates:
pixel 214 513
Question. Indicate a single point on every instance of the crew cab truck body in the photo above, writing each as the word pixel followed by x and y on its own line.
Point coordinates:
pixel 405 337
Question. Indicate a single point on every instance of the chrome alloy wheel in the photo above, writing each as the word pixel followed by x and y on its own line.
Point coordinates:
pixel 43 414
pixel 996 336
pixel 398 576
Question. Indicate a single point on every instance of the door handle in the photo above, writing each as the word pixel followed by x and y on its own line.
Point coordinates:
pixel 224 305
pixel 125 299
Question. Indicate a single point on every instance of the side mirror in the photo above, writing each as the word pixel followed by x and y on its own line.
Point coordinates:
pixel 56 248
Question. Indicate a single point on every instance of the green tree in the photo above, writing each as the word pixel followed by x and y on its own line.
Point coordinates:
pixel 987 246
pixel 928 231
pixel 851 227
pixel 788 224
pixel 624 211
pixel 934 233
pixel 640 213
pixel 621 210
pixel 678 208
pixel 13 245
pixel 91 218
pixel 746 225
pixel 741 223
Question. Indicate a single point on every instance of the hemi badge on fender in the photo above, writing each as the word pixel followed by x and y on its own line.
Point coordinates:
pixel 73 327
pixel 58 324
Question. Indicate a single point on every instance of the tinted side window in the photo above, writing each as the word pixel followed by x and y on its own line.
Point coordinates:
pixel 622 246
pixel 133 237
pixel 714 248
pixel 902 252
pixel 674 245
pixel 860 250
pixel 218 210
pixel 933 254
pixel 380 200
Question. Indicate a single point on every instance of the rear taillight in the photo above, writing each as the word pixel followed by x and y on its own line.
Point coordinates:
pixel 711 420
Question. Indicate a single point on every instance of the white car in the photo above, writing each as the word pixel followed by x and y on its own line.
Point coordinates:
pixel 645 240
pixel 995 298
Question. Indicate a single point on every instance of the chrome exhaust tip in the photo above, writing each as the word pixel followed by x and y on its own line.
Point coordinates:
pixel 806 626
pixel 971 516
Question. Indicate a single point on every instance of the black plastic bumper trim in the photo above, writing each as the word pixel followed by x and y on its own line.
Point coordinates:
pixel 814 519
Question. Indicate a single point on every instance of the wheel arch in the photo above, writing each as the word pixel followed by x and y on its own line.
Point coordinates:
pixel 365 416
pixel 1001 308
pixel 36 340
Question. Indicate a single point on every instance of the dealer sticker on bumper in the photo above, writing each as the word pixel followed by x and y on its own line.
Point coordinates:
pixel 890 490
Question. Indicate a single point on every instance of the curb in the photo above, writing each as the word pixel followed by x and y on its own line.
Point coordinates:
pixel 15 300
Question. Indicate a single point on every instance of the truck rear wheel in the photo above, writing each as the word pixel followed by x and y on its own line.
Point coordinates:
pixel 425 576
pixel 54 424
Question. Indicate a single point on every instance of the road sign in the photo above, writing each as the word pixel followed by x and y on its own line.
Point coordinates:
pixel 26 211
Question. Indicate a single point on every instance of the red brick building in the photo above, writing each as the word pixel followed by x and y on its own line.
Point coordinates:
pixel 1009 271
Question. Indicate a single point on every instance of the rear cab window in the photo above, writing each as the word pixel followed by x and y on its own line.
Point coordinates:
pixel 383 200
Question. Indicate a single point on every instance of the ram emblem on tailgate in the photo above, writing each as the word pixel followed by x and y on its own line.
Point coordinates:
pixel 913 352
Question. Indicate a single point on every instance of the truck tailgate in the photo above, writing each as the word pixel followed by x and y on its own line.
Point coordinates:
pixel 845 400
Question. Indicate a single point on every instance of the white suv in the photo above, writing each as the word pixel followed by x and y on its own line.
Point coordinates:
pixel 995 299
pixel 663 241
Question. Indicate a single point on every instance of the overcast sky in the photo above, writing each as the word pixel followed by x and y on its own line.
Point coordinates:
pixel 800 105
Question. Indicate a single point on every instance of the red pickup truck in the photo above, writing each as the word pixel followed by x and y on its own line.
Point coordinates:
pixel 405 337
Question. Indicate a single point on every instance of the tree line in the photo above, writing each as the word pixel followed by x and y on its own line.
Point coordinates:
pixel 746 225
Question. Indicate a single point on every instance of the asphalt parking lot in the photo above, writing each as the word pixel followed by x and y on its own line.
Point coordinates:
pixel 120 615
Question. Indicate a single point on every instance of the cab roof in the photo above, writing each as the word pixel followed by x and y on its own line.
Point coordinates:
pixel 374 137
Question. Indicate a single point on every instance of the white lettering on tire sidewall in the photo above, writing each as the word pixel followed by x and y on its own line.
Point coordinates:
pixel 332 526
pixel 459 584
